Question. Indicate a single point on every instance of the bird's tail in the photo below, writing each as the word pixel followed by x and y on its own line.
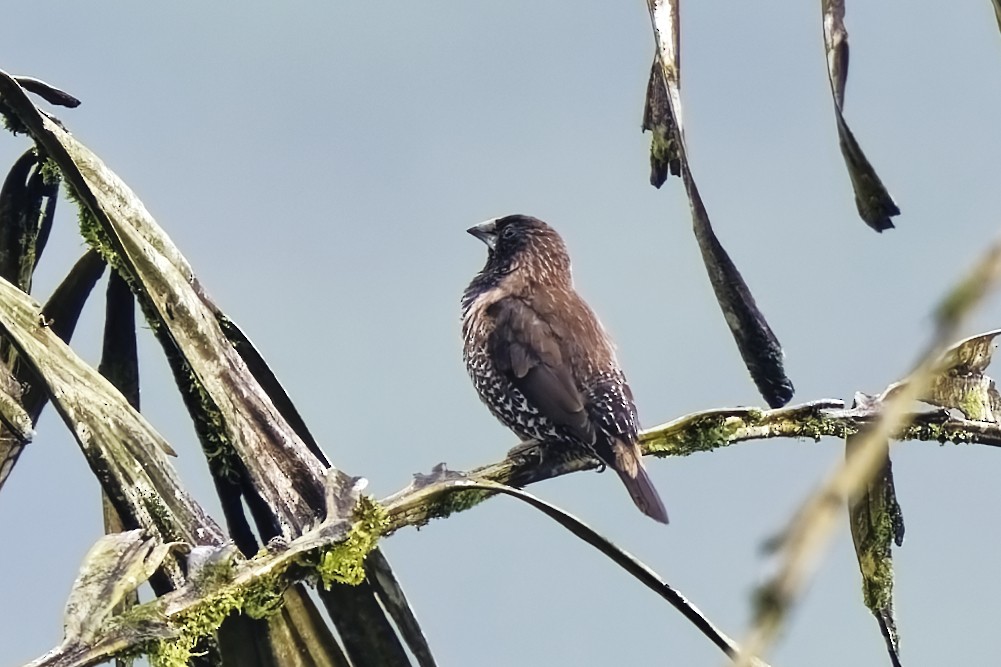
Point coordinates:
pixel 629 466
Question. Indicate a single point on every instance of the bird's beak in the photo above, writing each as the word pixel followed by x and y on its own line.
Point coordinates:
pixel 486 232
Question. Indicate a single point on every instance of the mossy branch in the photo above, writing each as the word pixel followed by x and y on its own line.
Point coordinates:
pixel 696 432
pixel 220 583
pixel 169 626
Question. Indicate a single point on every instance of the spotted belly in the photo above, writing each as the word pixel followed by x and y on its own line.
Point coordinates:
pixel 504 400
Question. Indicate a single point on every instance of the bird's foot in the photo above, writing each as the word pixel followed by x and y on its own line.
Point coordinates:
pixel 526 448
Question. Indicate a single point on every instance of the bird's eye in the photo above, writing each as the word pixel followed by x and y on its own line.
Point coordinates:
pixel 508 233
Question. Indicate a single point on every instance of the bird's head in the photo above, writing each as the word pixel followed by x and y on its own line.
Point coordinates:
pixel 525 244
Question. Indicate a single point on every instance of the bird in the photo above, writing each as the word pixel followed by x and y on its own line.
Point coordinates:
pixel 540 359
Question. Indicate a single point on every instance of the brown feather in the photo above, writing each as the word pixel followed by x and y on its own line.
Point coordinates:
pixel 524 347
pixel 630 468
pixel 540 359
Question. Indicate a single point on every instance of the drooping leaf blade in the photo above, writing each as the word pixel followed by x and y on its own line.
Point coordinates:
pixel 47 92
pixel 874 203
pixel 124 450
pixel 876 524
pixel 441 479
pixel 60 314
pixel 758 345
pixel 284 479
pixel 658 120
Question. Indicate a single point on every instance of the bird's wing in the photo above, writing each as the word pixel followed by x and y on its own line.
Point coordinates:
pixel 527 351
pixel 610 404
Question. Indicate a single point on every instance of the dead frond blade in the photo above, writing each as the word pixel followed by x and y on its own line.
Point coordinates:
pixel 658 119
pixel 27 201
pixel 47 92
pixel 124 450
pixel 443 480
pixel 282 470
pixel 961 383
pixel 60 314
pixel 306 631
pixel 876 524
pixel 15 419
pixel 269 382
pixel 874 203
pixel 281 479
pixel 391 594
pixel 758 345
pixel 809 530
pixel 120 355
pixel 120 364
pixel 116 565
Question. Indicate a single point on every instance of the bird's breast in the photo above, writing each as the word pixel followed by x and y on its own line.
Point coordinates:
pixel 505 402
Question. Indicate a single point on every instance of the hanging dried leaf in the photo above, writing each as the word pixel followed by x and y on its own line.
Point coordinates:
pixel 665 149
pixel 758 345
pixel 874 203
pixel 876 523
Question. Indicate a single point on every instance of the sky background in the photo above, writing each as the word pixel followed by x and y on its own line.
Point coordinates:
pixel 318 164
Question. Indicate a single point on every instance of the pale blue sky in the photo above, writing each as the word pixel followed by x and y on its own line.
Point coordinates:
pixel 318 162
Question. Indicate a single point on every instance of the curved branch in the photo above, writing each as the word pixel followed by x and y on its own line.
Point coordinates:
pixel 696 432
pixel 271 572
pixel 451 482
